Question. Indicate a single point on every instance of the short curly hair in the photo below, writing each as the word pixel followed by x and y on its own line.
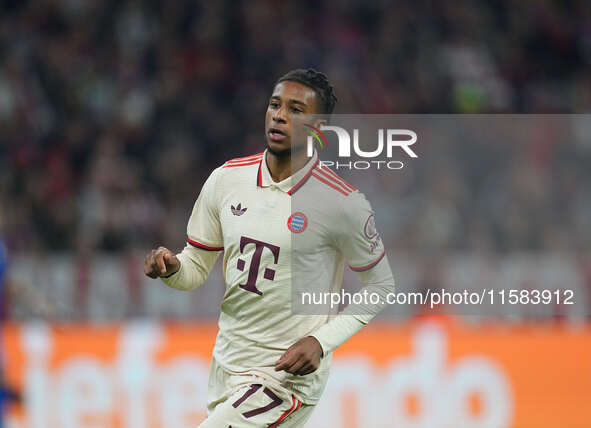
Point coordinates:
pixel 316 80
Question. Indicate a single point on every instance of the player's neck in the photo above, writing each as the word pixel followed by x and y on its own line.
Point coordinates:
pixel 284 167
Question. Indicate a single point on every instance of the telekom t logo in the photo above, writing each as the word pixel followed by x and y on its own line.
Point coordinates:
pixel 345 141
pixel 255 263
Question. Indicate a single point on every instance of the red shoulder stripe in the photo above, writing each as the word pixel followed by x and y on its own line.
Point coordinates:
pixel 338 178
pixel 246 158
pixel 328 183
pixel 231 165
pixel 332 180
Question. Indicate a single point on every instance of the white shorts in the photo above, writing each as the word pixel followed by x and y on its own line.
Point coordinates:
pixel 241 401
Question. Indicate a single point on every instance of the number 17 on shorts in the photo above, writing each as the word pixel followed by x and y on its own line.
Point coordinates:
pixel 257 406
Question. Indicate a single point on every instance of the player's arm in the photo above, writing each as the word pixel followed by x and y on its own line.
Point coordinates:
pixel 364 252
pixel 184 271
pixel 378 281
pixel 304 356
pixel 190 268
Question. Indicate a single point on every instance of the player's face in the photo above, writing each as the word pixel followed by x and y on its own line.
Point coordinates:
pixel 288 104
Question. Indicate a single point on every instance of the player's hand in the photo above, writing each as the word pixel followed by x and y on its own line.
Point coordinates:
pixel 302 358
pixel 161 262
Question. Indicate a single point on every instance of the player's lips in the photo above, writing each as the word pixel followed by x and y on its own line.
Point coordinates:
pixel 276 134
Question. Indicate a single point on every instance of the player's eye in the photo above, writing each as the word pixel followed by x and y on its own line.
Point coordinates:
pixel 273 104
pixel 296 110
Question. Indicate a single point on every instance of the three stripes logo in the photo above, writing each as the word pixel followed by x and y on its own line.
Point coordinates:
pixel 297 222
pixel 238 210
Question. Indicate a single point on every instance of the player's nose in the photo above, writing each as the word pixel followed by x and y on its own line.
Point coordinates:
pixel 280 115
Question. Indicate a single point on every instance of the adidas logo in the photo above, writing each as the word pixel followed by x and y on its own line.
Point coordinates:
pixel 238 210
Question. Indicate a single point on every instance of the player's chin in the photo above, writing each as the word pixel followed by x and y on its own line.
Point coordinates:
pixel 279 148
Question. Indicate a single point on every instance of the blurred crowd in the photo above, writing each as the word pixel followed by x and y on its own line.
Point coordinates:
pixel 112 113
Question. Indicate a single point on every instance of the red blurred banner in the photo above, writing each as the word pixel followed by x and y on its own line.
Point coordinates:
pixel 422 374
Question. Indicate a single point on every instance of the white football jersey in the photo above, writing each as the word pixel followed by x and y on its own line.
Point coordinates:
pixel 254 220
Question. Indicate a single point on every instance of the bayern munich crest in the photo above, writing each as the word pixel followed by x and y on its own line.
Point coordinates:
pixel 297 222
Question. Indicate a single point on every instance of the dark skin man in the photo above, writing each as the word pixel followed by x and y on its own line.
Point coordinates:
pixel 288 109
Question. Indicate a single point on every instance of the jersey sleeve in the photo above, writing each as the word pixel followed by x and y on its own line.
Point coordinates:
pixel 377 281
pixel 359 241
pixel 204 229
pixel 356 235
pixel 196 264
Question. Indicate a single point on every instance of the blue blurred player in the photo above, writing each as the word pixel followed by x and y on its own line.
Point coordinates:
pixel 6 394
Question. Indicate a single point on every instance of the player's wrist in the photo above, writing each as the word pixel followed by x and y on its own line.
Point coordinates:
pixel 322 353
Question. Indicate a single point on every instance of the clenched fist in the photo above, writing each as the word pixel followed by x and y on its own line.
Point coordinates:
pixel 161 262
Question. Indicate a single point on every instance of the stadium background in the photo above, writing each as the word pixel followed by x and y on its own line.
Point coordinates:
pixel 113 113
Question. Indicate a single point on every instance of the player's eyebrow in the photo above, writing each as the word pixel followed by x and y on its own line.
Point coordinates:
pixel 298 102
pixel 291 100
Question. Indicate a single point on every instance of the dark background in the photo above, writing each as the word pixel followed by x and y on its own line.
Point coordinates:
pixel 113 113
